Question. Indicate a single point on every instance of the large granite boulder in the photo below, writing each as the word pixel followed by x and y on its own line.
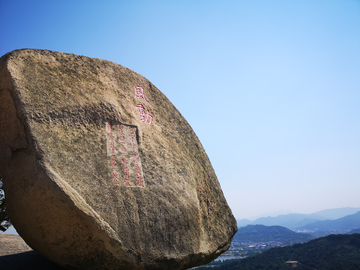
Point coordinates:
pixel 101 171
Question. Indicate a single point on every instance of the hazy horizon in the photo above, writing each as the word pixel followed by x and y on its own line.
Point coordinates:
pixel 271 88
pixel 12 230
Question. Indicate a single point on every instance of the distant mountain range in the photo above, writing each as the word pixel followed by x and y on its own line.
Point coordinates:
pixel 343 224
pixel 295 221
pixel 262 233
pixel 332 252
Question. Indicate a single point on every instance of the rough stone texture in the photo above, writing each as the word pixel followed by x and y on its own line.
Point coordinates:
pixel 15 254
pixel 12 244
pixel 101 171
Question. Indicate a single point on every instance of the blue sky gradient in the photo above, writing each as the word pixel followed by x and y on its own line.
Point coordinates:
pixel 271 88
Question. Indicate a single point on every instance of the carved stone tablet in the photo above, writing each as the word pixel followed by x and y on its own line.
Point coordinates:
pixel 101 171
pixel 123 155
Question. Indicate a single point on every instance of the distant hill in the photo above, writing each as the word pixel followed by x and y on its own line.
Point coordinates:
pixel 343 224
pixel 290 221
pixel 354 231
pixel 243 222
pixel 332 252
pixel 294 221
pixel 262 233
pixel 337 212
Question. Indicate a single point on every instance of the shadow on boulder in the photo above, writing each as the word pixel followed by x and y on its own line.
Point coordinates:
pixel 27 261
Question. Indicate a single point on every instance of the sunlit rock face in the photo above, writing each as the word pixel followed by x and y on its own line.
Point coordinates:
pixel 101 171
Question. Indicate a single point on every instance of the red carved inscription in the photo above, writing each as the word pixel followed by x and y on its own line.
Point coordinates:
pixel 123 155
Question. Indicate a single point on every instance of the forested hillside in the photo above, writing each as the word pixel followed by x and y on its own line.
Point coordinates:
pixel 333 252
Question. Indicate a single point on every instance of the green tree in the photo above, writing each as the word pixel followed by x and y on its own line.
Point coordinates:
pixel 4 218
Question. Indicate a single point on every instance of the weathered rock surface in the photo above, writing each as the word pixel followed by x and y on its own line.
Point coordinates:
pixel 15 254
pixel 101 171
pixel 12 244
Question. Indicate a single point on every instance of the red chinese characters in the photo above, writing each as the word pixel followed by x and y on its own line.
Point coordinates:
pixel 123 151
pixel 139 93
pixel 138 175
pixel 113 159
pixel 123 155
pixel 144 114
pixel 122 147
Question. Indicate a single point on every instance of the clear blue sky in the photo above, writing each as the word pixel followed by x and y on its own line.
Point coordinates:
pixel 271 88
